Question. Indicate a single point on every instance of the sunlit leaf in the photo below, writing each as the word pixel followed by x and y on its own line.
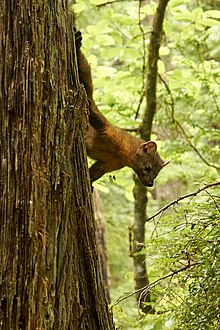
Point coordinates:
pixel 176 3
pixel 213 13
pixel 209 22
pixel 97 2
pixel 164 50
pixel 105 71
pixel 105 40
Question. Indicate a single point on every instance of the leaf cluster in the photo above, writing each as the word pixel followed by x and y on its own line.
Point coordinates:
pixel 185 245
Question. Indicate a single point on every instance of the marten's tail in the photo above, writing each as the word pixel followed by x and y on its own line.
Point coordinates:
pixel 96 119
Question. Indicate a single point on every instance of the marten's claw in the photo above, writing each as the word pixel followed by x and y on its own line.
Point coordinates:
pixel 78 38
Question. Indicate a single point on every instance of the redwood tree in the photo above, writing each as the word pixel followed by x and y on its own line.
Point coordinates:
pixel 49 269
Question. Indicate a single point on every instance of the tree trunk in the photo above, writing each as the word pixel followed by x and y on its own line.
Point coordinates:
pixel 141 277
pixel 102 244
pixel 49 270
pixel 140 192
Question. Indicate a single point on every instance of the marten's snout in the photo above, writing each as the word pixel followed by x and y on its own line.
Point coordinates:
pixel 148 182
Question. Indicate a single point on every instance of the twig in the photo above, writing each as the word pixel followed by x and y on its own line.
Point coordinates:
pixel 143 61
pixel 108 3
pixel 182 129
pixel 152 70
pixel 177 200
pixel 170 275
pixel 214 201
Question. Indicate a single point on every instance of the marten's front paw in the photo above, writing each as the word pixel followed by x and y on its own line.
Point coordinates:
pixel 78 39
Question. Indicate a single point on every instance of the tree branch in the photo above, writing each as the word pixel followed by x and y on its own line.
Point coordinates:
pixel 177 200
pixel 147 287
pixel 153 57
pixel 143 61
pixel 108 3
pixel 182 129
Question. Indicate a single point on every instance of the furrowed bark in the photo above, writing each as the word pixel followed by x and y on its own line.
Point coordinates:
pixel 49 269
pixel 102 243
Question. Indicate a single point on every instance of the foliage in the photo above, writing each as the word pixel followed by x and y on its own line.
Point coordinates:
pixel 187 130
pixel 189 252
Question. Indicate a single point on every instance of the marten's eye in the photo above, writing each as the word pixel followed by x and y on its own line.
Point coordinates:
pixel 148 168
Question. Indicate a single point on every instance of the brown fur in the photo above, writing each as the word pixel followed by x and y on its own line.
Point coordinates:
pixel 110 146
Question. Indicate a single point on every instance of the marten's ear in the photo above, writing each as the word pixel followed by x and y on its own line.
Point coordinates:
pixel 149 147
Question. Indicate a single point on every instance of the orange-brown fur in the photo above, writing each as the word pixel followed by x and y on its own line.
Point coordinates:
pixel 110 146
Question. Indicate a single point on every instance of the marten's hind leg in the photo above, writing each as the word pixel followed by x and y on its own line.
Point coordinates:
pixel 96 118
pixel 85 75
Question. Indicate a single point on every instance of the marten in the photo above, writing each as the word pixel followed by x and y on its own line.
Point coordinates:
pixel 110 146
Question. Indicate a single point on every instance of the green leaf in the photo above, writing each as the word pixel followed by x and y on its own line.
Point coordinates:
pixel 110 52
pixel 197 13
pixel 164 51
pixel 118 38
pixel 93 61
pixel 88 43
pixel 132 53
pixel 105 71
pixel 105 40
pixel 97 2
pixel 79 7
pixel 103 26
pixel 100 28
pixel 122 74
pixel 213 13
pixel 161 67
pixel 176 3
pixel 183 17
pixel 209 22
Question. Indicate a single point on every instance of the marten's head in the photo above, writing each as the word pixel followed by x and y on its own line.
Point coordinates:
pixel 147 163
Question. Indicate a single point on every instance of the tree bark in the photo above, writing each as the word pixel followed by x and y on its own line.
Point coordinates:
pixel 140 192
pixel 49 269
pixel 141 276
pixel 102 244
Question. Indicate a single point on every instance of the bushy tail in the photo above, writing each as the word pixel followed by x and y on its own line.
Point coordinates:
pixel 96 119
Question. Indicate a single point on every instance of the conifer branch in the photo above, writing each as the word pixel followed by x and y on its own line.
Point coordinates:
pixel 147 287
pixel 177 200
pixel 175 121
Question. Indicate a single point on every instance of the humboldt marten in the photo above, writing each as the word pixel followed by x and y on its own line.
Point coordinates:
pixel 110 146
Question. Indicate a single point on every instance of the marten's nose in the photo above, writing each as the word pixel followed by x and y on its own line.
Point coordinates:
pixel 150 184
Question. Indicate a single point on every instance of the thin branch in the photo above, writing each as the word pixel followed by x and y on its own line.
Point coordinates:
pixel 177 200
pixel 147 287
pixel 182 129
pixel 152 70
pixel 194 148
pixel 202 61
pixel 139 104
pixel 143 60
pixel 214 201
pixel 108 3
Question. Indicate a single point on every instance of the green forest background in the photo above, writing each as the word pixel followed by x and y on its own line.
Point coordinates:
pixel 182 246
